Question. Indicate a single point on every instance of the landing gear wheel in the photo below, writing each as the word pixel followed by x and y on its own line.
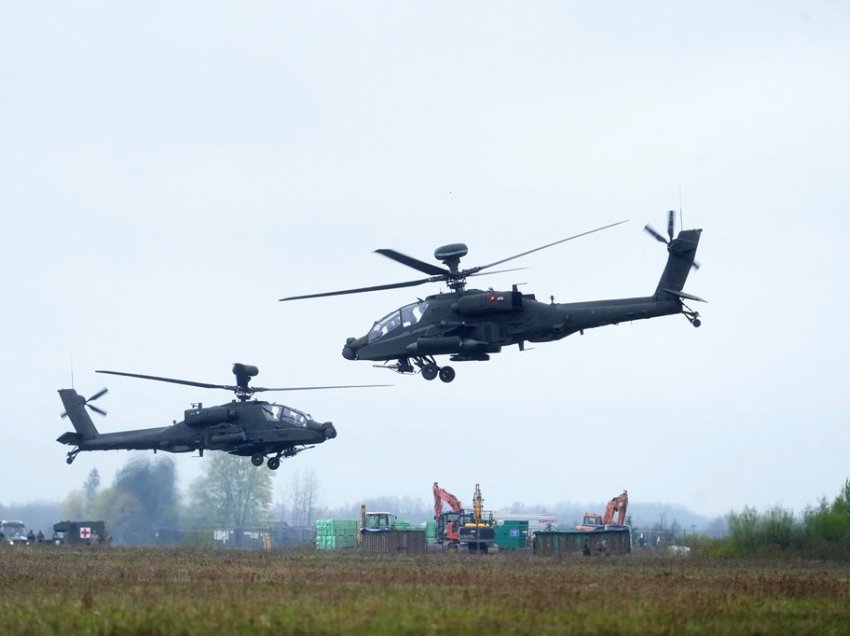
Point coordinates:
pixel 69 460
pixel 430 371
pixel 274 463
pixel 696 322
pixel 257 459
pixel 447 374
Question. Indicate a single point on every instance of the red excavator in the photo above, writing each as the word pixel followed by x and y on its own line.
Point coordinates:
pixel 461 528
pixel 618 504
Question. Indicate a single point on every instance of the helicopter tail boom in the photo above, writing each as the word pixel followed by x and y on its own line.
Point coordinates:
pixel 682 251
pixel 75 407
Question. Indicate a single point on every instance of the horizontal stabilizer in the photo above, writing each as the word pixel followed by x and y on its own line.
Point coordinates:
pixel 72 439
pixel 685 295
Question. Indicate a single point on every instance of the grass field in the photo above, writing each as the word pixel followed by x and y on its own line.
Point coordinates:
pixel 106 590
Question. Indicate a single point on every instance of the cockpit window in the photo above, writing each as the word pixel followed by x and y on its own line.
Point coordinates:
pixel 407 316
pixel 272 411
pixel 412 314
pixel 278 413
pixel 294 416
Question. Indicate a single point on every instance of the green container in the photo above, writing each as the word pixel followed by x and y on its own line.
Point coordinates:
pixel 512 535
pixel 618 541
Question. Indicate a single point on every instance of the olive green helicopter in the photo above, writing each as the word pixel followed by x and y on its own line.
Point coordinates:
pixel 244 427
pixel 471 324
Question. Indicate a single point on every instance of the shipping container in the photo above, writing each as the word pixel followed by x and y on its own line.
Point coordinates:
pixel 394 542
pixel 512 535
pixel 575 542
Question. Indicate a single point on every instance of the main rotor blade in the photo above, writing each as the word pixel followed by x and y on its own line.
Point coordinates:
pixel 473 270
pixel 651 230
pixel 415 263
pixel 359 290
pixel 259 389
pixel 500 271
pixel 202 385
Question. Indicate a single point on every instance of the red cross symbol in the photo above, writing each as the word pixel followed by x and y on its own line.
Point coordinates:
pixel 85 533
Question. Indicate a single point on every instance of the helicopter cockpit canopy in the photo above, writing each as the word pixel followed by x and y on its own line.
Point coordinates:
pixel 279 413
pixel 407 316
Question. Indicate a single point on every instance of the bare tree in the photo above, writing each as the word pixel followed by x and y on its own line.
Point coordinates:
pixel 303 498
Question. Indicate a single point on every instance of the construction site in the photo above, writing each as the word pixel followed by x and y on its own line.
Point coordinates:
pixel 454 527
pixel 473 529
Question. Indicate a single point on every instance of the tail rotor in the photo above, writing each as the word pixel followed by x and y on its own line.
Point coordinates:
pixel 671 221
pixel 94 408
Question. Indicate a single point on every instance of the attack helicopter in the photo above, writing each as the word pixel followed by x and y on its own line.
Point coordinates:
pixel 243 427
pixel 471 324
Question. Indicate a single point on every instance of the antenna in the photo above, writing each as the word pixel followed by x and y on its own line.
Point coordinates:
pixel 72 370
pixel 681 220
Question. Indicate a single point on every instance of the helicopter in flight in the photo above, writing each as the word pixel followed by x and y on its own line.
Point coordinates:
pixel 470 324
pixel 243 427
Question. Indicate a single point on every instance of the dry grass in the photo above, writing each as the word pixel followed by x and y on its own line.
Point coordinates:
pixel 162 591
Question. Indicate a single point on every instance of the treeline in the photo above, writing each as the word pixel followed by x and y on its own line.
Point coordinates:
pixel 144 498
pixel 822 531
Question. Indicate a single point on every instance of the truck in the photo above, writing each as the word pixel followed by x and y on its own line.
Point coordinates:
pixel 14 532
pixel 79 533
pixel 376 521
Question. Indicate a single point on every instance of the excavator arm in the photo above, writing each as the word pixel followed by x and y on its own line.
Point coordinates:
pixel 442 495
pixel 618 504
pixel 477 506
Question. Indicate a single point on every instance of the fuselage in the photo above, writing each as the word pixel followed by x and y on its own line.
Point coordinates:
pixel 240 428
pixel 477 322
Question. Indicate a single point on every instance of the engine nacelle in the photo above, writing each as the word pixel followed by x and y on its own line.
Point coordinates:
pixel 209 416
pixel 227 438
pixel 484 304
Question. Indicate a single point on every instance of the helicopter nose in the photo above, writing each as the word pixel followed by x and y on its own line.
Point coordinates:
pixel 329 430
pixel 349 351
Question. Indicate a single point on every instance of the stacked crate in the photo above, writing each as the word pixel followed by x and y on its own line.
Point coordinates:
pixel 430 528
pixel 335 534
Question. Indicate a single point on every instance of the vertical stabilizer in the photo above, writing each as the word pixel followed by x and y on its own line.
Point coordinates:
pixel 682 251
pixel 75 408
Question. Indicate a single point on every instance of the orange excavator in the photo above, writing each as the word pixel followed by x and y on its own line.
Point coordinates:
pixel 461 528
pixel 618 504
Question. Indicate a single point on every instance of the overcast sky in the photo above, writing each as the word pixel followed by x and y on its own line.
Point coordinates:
pixel 169 170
